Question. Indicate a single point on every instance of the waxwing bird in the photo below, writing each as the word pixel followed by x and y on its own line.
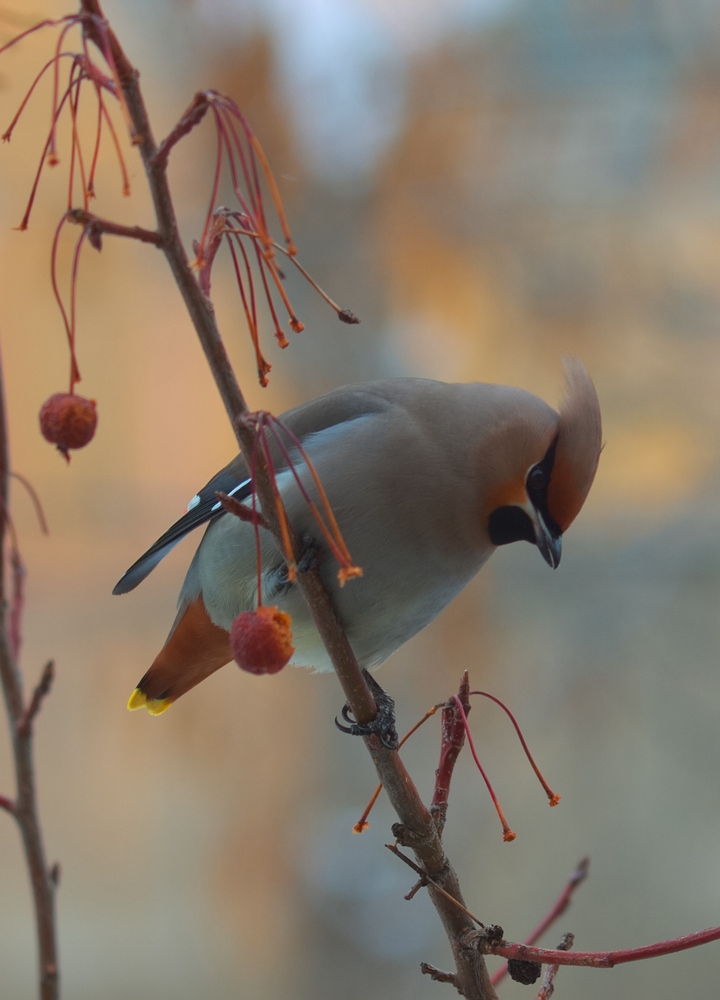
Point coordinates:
pixel 426 480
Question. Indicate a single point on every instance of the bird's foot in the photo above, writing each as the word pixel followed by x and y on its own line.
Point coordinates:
pixel 382 726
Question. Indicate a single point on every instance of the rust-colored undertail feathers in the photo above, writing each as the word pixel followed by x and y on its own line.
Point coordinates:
pixel 196 649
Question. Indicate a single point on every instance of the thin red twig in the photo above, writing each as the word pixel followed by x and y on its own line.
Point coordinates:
pixel 555 912
pixel 47 23
pixel 263 366
pixel 562 902
pixel 239 510
pixel 508 834
pixel 33 191
pixel 331 532
pixel 37 504
pixel 451 743
pixel 7 134
pixel 192 117
pixel 96 226
pixel 73 304
pixel 69 330
pixel 553 797
pixel 603 959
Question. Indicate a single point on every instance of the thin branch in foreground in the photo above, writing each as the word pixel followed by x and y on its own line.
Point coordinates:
pixel 438 975
pixel 508 834
pixel 232 506
pixel 452 740
pixel 7 804
pixel 95 227
pixel 426 880
pixel 39 512
pixel 548 984
pixel 24 808
pixel 553 797
pixel 559 907
pixel 81 70
pixel 601 959
pixel 192 117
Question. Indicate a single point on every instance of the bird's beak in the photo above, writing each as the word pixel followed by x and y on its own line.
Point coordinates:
pixel 550 547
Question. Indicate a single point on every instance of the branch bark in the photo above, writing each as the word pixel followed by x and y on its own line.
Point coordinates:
pixel 419 830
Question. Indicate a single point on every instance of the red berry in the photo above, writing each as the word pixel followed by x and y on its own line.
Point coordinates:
pixel 261 640
pixel 68 421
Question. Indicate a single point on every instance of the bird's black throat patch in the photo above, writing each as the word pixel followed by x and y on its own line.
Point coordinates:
pixel 510 524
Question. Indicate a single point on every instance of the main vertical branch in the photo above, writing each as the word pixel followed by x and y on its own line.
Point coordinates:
pixel 416 827
pixel 24 807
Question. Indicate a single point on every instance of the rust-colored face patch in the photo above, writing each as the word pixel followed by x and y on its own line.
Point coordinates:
pixel 578 447
pixel 564 500
pixel 509 494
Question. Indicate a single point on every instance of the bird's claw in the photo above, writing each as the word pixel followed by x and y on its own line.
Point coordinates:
pixel 382 726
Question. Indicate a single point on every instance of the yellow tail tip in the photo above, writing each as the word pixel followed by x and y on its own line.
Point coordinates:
pixel 155 706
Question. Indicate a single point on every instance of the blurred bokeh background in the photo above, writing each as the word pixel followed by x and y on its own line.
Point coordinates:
pixel 489 185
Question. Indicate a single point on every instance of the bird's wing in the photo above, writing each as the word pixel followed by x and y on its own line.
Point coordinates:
pixel 203 507
pixel 337 407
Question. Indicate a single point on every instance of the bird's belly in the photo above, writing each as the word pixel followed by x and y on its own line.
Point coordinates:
pixel 392 601
pixel 378 616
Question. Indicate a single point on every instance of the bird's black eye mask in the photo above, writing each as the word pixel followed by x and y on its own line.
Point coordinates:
pixel 511 524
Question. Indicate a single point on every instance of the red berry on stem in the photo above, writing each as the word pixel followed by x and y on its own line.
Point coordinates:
pixel 68 421
pixel 261 640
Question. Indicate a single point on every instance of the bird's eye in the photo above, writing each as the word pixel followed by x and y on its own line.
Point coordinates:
pixel 537 480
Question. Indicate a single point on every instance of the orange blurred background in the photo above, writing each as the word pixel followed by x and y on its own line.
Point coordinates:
pixel 488 186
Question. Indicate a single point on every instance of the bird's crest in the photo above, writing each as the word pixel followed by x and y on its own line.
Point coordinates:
pixel 579 442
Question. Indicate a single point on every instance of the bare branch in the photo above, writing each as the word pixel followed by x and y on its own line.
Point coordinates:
pixel 602 959
pixel 232 506
pixel 556 910
pixel 96 227
pixel 548 984
pixel 42 521
pixel 7 804
pixel 24 808
pixel 452 742
pixel 426 880
pixel 41 691
pixel 192 117
pixel 439 976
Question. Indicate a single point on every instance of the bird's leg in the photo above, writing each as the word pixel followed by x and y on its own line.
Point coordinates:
pixel 383 725
pixel 277 581
pixel 309 555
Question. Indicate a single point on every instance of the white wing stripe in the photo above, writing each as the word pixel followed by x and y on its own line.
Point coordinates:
pixel 239 486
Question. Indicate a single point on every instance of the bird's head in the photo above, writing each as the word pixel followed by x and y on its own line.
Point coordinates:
pixel 544 464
